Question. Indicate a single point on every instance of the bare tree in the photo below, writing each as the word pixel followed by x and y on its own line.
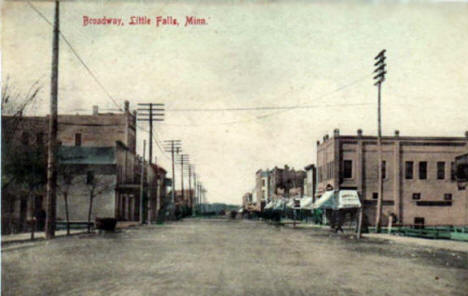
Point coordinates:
pixel 66 176
pixel 96 186
pixel 14 103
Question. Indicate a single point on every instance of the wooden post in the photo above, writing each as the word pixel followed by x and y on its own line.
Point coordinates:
pixel 142 180
pixel 52 147
pixel 359 225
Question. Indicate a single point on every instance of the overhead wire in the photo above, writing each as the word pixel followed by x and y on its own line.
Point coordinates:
pixel 75 53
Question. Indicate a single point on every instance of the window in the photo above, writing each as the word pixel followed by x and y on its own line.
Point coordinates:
pixel 375 195
pixel 384 169
pixel 348 169
pixel 77 139
pixel 25 138
pixel 416 196
pixel 452 171
pixel 440 170
pixel 40 138
pixel 418 222
pixel 422 170
pixel 448 196
pixel 263 182
pixel 90 177
pixel 409 170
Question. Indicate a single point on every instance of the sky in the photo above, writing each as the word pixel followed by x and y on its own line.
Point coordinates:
pixel 316 55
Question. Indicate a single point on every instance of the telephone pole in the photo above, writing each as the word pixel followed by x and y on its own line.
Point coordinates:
pixel 189 167
pixel 379 78
pixel 53 125
pixel 194 205
pixel 142 180
pixel 149 112
pixel 172 146
pixel 182 158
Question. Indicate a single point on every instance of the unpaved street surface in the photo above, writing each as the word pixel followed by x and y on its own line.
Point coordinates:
pixel 226 257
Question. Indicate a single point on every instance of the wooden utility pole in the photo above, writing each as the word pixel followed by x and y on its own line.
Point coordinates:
pixel 380 77
pixel 142 180
pixel 190 185
pixel 52 147
pixel 155 214
pixel 195 194
pixel 183 158
pixel 149 112
pixel 171 146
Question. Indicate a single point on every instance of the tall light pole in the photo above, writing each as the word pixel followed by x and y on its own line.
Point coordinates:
pixel 379 78
pixel 53 125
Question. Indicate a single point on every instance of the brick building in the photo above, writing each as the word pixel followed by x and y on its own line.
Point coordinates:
pixel 286 182
pixel 100 146
pixel 418 175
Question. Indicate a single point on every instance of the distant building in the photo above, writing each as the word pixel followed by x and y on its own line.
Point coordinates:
pixel 418 175
pixel 247 202
pixel 310 184
pixel 286 182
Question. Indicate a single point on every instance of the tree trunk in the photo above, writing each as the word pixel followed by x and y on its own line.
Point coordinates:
pixel 67 217
pixel 91 197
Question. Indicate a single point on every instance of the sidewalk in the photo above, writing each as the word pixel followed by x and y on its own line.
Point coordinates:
pixel 422 242
pixel 451 245
pixel 40 235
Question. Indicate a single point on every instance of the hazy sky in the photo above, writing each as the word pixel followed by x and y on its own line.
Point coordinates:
pixel 253 54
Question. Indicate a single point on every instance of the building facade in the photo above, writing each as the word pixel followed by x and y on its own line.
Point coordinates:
pixel 418 176
pixel 100 146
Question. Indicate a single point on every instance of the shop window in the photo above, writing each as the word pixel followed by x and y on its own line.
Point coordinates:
pixel 40 138
pixel 25 138
pixel 78 139
pixel 90 177
pixel 418 222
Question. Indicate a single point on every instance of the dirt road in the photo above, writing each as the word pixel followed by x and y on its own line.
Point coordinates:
pixel 225 257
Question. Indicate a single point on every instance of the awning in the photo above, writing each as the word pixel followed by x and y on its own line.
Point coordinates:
pixel 269 205
pixel 343 199
pixel 348 199
pixel 326 201
pixel 307 203
pixel 279 205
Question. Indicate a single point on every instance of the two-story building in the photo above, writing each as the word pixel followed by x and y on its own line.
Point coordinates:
pixel 418 175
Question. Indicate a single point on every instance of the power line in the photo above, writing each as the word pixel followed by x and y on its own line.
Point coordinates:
pixel 158 143
pixel 77 56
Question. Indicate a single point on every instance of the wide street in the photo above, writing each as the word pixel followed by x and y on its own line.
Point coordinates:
pixel 230 257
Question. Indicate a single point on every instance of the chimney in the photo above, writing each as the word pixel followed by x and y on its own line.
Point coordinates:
pixel 397 133
pixel 127 106
pixel 95 110
pixel 359 132
pixel 336 133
